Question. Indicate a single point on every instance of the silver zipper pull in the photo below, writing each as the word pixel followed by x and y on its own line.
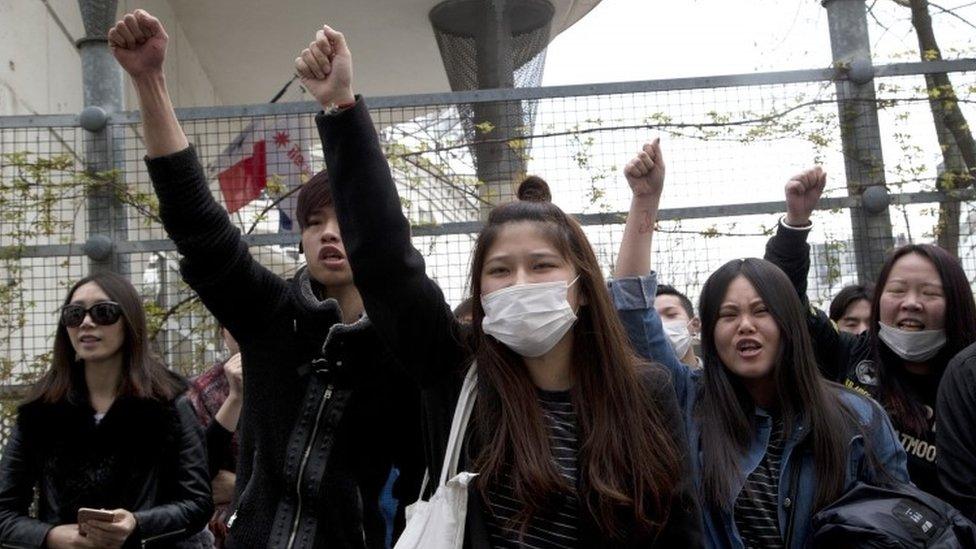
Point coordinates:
pixel 230 521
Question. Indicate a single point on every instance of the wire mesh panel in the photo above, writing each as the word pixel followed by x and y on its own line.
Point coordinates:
pixel 42 198
pixel 729 150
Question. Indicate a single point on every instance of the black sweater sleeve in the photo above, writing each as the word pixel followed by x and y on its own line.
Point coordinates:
pixel 956 437
pixel 216 263
pixel 406 307
pixel 788 250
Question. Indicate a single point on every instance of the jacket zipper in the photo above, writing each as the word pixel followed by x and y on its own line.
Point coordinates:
pixel 160 536
pixel 301 468
pixel 243 497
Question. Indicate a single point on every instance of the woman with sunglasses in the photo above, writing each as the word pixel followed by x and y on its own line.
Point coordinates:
pixel 104 429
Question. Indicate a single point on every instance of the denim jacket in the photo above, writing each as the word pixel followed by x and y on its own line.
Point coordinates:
pixel 634 299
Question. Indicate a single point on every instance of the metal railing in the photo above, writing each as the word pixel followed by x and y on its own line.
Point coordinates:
pixel 730 143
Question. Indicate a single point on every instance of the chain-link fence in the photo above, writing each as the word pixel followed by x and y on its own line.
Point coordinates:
pixel 730 144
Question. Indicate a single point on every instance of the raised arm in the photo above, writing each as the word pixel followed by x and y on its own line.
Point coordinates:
pixel 138 42
pixel 220 431
pixel 788 250
pixel 634 286
pixel 215 262
pixel 645 175
pixel 407 308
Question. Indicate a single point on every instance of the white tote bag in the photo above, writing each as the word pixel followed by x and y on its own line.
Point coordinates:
pixel 439 523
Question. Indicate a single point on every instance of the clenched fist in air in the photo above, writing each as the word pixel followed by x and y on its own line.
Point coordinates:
pixel 325 68
pixel 645 172
pixel 802 194
pixel 138 42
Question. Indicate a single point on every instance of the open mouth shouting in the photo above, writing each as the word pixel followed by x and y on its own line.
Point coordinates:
pixel 748 348
pixel 331 257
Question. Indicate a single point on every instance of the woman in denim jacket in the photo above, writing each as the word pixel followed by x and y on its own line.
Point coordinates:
pixel 772 442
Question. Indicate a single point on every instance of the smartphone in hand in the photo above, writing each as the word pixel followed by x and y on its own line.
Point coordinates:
pixel 86 514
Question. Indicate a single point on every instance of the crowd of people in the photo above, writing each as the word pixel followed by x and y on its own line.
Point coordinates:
pixel 552 409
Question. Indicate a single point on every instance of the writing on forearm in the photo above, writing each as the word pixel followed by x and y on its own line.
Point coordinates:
pixel 647 222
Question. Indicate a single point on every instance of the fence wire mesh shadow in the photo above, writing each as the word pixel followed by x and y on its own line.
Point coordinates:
pixel 730 144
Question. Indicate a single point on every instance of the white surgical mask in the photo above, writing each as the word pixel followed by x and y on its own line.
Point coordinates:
pixel 679 336
pixel 912 346
pixel 529 318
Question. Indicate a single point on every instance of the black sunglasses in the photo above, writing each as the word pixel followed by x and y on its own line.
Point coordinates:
pixel 103 313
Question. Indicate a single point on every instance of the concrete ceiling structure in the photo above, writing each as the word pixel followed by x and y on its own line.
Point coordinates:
pixel 247 48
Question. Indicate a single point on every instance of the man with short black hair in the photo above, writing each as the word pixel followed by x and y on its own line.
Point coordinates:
pixel 851 308
pixel 328 410
pixel 680 323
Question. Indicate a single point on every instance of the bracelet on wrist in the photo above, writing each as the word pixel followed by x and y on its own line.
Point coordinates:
pixel 339 107
pixel 806 227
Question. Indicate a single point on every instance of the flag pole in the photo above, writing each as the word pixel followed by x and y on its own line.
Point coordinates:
pixel 283 90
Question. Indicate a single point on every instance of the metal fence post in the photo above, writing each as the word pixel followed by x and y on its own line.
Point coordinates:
pixel 860 134
pixel 102 78
pixel 496 163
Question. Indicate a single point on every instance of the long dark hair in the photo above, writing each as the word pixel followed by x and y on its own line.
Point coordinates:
pixel 143 374
pixel 960 327
pixel 724 407
pixel 627 459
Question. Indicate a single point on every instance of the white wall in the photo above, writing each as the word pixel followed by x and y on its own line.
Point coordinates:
pixel 40 73
pixel 188 83
pixel 40 68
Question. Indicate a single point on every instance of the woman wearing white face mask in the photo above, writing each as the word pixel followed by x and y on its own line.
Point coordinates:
pixel 574 442
pixel 922 315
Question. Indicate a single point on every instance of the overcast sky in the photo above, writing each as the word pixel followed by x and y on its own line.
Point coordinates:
pixel 625 40
pixel 648 39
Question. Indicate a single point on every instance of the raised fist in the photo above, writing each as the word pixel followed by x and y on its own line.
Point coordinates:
pixel 325 68
pixel 802 194
pixel 234 375
pixel 138 42
pixel 645 172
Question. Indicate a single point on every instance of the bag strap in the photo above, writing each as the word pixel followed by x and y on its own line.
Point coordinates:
pixel 423 485
pixel 462 413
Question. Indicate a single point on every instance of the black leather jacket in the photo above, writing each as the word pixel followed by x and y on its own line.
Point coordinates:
pixel 145 456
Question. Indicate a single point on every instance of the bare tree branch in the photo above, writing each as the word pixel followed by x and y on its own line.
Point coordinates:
pixel 667 125
pixel 952 13
pixel 269 207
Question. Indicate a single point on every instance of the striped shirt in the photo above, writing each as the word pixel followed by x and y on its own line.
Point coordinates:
pixel 756 508
pixel 554 527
